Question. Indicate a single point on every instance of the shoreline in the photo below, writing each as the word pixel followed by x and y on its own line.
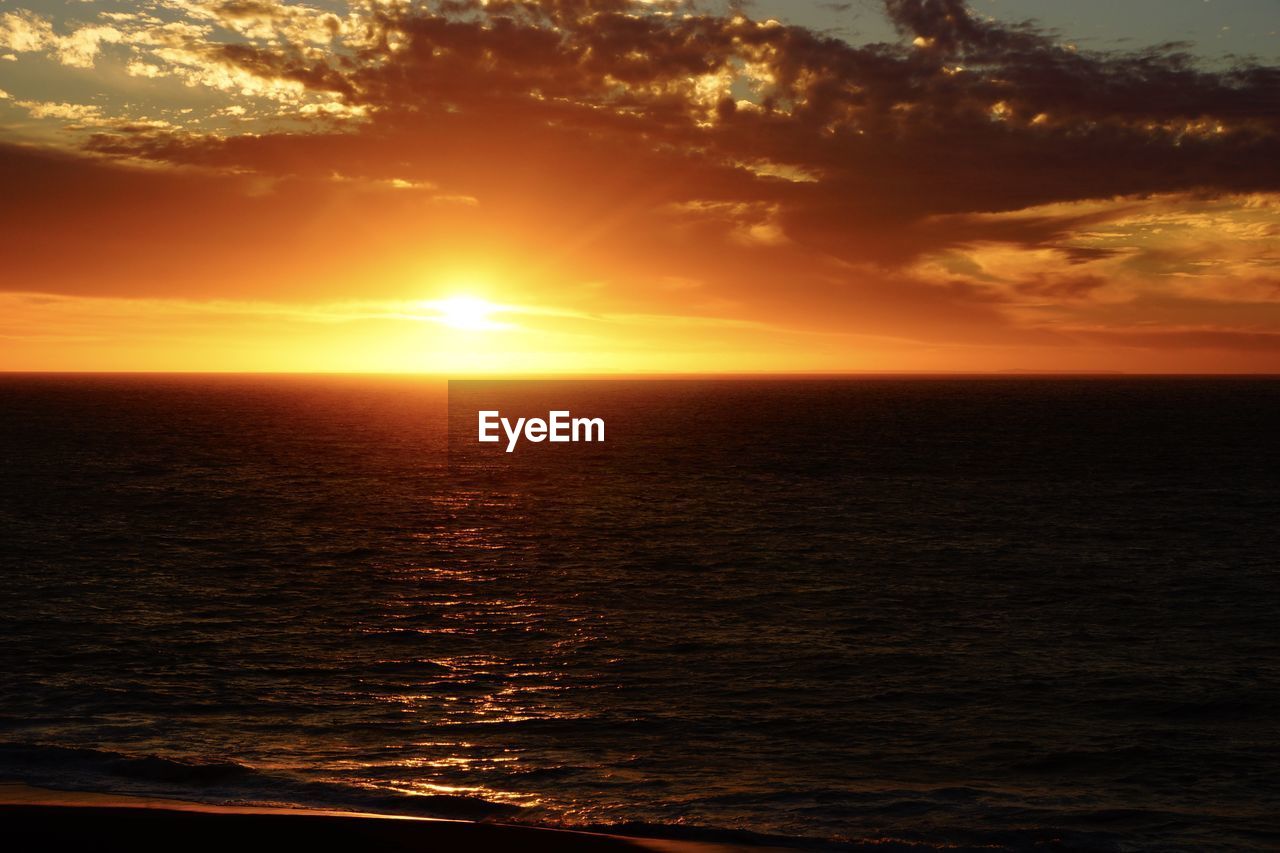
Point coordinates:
pixel 124 822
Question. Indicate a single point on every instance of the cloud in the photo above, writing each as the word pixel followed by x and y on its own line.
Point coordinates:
pixel 52 109
pixel 79 49
pixel 24 32
pixel 267 20
pixel 986 118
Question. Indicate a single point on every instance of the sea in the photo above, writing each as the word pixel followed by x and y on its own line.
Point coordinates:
pixel 890 613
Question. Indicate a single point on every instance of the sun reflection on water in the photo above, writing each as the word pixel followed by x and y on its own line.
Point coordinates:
pixel 432 620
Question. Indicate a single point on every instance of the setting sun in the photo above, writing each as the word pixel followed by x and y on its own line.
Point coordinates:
pixel 466 312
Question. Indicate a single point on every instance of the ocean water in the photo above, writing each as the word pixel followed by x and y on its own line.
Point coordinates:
pixel 1010 613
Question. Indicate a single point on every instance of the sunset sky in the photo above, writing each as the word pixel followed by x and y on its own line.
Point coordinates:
pixel 640 185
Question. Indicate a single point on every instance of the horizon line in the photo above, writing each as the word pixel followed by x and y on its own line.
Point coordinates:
pixel 853 374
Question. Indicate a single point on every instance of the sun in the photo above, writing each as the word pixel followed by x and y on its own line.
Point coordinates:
pixel 466 312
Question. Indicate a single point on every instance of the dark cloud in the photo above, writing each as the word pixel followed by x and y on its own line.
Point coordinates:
pixel 316 74
pixel 951 28
pixel 982 117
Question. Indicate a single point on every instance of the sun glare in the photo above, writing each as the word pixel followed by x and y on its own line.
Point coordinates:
pixel 466 312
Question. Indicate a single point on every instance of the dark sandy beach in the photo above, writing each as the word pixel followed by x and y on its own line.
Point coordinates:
pixel 61 820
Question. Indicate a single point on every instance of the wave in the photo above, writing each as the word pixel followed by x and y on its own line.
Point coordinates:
pixel 231 783
pixel 220 782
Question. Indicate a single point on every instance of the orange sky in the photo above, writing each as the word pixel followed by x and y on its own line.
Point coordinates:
pixel 614 186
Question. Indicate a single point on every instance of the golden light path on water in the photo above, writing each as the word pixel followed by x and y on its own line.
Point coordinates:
pixel 484 696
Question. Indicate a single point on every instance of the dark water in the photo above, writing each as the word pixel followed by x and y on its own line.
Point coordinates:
pixel 1031 614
